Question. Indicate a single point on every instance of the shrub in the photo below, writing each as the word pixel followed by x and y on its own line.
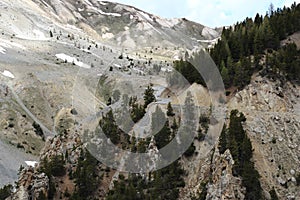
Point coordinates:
pixel 5 191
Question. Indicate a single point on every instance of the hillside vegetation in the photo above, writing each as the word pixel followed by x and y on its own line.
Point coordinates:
pixel 239 52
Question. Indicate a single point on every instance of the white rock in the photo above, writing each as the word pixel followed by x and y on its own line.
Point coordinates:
pixel 8 74
pixel 292 172
pixel 31 163
pixel 281 181
pixel 71 59
pixel 290 197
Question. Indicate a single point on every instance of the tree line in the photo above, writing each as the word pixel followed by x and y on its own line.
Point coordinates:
pixel 239 51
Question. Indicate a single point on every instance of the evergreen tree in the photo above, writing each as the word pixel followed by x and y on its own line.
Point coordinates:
pixel 273 194
pixel 37 129
pixel 241 150
pixel 5 191
pixel 252 38
pixel 149 96
pixel 258 19
pixel 223 140
pixel 225 75
pixel 109 127
pixel 137 111
pixel 188 71
pixel 85 176
pixel 157 120
pixel 163 137
pixel 170 111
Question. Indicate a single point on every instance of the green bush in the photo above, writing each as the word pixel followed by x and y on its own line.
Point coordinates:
pixel 298 179
pixel 190 151
pixel 273 194
pixel 5 191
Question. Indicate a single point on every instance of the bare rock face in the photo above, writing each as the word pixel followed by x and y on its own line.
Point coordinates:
pixel 31 185
pixel 224 185
pixel 272 112
pixel 213 174
pixel 127 26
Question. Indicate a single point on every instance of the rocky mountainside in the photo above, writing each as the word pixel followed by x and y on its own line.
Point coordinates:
pixel 127 26
pixel 51 50
pixel 272 111
pixel 272 125
pixel 117 24
pixel 60 61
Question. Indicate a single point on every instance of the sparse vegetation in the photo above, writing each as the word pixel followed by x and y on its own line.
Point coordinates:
pixel 246 48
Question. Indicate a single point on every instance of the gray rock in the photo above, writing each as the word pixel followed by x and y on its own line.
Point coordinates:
pixel 292 172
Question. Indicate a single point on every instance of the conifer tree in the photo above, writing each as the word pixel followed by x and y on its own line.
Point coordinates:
pixel 170 111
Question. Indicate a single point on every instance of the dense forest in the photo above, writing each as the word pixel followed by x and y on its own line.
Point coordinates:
pixel 163 184
pixel 242 47
pixel 250 46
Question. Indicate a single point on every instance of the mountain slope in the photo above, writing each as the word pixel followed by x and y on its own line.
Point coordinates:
pixel 128 26
pixel 46 45
pixel 63 61
pixel 117 24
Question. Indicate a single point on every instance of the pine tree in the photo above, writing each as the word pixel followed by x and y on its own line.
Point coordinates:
pixel 241 150
pixel 109 127
pixel 225 75
pixel 270 39
pixel 273 194
pixel 163 137
pixel 149 96
pixel 5 191
pixel 223 140
pixel 259 41
pixel 170 111
pixel 85 176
